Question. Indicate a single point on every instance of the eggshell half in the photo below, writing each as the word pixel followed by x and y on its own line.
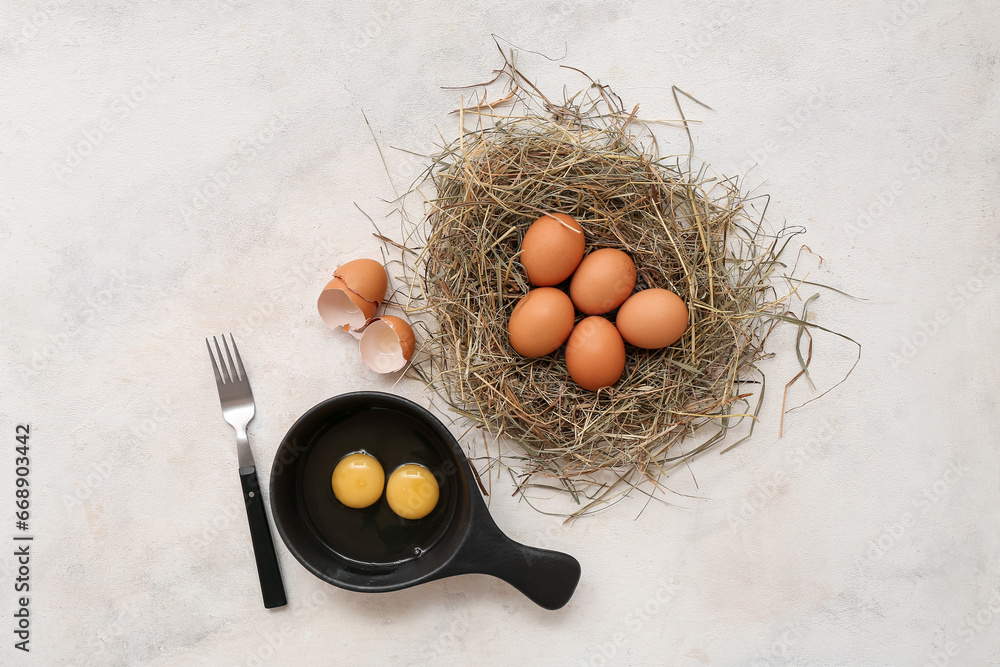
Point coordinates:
pixel 339 306
pixel 366 278
pixel 595 353
pixel 387 344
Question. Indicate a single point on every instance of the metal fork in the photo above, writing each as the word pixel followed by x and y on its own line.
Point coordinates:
pixel 238 409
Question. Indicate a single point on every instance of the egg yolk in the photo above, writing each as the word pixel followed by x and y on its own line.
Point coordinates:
pixel 358 480
pixel 412 491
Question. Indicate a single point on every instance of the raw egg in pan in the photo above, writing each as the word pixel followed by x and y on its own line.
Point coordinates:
pixel 358 480
pixel 412 491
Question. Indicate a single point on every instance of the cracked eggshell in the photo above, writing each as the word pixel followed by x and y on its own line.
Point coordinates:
pixel 339 306
pixel 366 278
pixel 387 343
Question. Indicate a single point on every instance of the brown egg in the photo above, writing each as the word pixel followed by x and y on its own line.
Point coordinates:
pixel 603 281
pixel 366 278
pixel 541 322
pixel 595 354
pixel 652 318
pixel 552 249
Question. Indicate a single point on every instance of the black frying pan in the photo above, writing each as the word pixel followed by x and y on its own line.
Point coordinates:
pixel 373 550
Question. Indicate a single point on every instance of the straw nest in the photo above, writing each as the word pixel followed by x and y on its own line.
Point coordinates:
pixel 687 231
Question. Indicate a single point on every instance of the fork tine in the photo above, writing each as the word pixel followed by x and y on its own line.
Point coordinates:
pixel 232 366
pixel 239 361
pixel 222 361
pixel 211 355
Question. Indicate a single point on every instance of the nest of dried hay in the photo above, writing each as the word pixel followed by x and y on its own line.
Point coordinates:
pixel 686 230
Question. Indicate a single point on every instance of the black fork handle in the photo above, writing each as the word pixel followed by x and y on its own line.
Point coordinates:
pixel 271 588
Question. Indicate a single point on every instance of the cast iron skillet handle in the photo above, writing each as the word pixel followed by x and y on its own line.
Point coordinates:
pixel 547 578
pixel 271 587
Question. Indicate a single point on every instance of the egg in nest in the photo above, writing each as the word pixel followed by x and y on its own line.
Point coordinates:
pixel 652 319
pixel 541 322
pixel 552 249
pixel 602 282
pixel 595 353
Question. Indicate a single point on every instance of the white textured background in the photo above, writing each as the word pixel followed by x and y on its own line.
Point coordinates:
pixel 866 536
